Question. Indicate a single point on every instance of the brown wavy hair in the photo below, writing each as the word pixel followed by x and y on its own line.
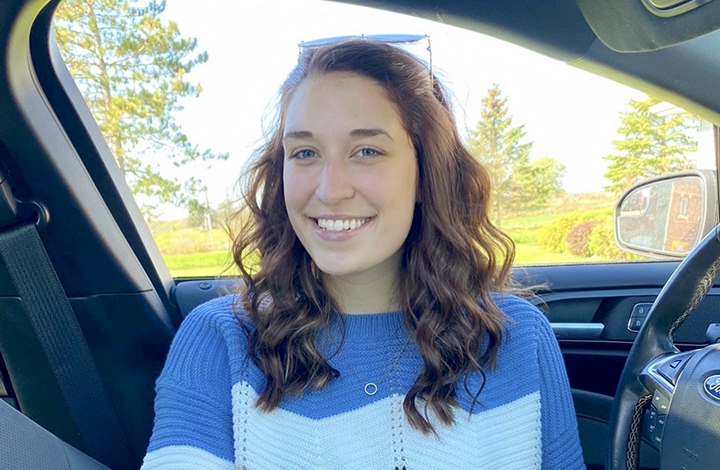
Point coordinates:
pixel 453 258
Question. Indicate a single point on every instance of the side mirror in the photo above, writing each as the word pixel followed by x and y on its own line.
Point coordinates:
pixel 666 216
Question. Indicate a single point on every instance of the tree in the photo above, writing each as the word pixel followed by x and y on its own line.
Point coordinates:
pixel 518 183
pixel 227 213
pixel 652 145
pixel 198 206
pixel 540 180
pixel 131 67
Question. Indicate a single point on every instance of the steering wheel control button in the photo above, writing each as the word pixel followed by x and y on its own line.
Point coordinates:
pixel 671 368
pixel 651 423
pixel 638 315
pixel 661 403
pixel 659 429
pixel 712 387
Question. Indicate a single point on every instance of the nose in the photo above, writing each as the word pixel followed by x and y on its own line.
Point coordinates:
pixel 335 183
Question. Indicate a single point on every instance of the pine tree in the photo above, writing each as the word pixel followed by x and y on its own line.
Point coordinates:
pixel 498 145
pixel 653 145
pixel 519 184
pixel 131 67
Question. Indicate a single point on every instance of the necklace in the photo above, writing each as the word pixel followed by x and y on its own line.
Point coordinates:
pixel 371 388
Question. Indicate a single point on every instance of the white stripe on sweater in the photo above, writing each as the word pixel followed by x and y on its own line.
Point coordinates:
pixel 184 458
pixel 378 436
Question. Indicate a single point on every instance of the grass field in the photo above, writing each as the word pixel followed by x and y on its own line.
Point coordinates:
pixel 196 253
pixel 218 263
pixel 524 229
pixel 208 264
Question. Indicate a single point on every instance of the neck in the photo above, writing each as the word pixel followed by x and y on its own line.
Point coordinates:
pixel 365 293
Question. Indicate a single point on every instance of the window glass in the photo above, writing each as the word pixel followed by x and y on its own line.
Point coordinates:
pixel 181 94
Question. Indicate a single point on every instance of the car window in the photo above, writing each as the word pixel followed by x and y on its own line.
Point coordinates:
pixel 183 95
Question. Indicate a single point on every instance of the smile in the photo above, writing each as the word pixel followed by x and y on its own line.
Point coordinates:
pixel 330 225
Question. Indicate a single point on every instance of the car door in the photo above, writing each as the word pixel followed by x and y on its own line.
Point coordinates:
pixel 128 272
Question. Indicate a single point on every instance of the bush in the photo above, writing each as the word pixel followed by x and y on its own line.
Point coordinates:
pixel 602 242
pixel 552 237
pixel 578 237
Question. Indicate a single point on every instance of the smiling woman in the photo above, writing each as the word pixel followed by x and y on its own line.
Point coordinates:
pixel 451 371
pixel 380 297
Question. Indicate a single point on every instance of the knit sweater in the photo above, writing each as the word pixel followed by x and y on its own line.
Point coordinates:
pixel 205 413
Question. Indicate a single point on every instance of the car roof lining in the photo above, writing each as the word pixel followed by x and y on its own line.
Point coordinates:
pixel 628 26
pixel 559 30
pixel 556 29
pixel 565 29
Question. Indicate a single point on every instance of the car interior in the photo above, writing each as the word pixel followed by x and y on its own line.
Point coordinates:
pixel 88 307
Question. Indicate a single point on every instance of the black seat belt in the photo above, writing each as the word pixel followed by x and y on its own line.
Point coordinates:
pixel 65 346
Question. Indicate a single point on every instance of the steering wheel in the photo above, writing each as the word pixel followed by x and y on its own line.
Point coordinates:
pixel 680 390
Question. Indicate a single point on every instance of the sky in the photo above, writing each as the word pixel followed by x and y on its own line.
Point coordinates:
pixel 568 114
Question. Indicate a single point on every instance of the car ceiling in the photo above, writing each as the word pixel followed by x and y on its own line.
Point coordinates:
pixel 670 58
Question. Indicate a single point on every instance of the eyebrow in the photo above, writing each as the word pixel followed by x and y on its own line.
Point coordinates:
pixel 298 135
pixel 353 133
pixel 369 133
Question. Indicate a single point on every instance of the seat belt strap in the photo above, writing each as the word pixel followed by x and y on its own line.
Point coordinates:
pixel 64 346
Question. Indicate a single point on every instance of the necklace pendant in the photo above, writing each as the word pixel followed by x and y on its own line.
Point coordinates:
pixel 370 389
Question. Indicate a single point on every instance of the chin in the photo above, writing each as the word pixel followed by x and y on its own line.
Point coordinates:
pixel 335 269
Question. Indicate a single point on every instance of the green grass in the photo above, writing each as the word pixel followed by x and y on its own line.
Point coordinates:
pixel 215 263
pixel 529 254
pixel 208 264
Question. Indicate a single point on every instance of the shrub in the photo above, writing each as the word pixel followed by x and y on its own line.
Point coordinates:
pixel 602 242
pixel 578 237
pixel 552 237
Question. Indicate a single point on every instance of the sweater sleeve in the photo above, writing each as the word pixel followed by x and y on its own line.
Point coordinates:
pixel 560 442
pixel 193 416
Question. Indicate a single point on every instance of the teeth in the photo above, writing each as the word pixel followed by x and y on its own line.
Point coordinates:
pixel 340 225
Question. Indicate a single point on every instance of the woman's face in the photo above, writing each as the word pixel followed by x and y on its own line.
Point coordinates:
pixel 350 175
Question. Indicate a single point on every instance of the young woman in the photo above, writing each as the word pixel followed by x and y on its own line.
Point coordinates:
pixel 374 329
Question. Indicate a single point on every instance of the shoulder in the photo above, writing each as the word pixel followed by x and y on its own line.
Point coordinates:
pixel 210 333
pixel 527 332
pixel 522 317
pixel 215 315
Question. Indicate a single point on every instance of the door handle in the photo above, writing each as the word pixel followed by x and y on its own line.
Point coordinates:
pixel 564 330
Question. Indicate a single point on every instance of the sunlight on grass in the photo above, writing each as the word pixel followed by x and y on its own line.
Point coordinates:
pixel 208 264
pixel 529 254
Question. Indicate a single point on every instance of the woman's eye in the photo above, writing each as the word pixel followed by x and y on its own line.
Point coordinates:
pixel 368 153
pixel 304 154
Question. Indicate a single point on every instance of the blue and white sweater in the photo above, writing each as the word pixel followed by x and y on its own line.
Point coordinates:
pixel 205 414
